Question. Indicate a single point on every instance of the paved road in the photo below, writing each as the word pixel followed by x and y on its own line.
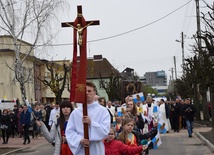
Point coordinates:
pixel 181 144
pixel 172 144
pixel 44 149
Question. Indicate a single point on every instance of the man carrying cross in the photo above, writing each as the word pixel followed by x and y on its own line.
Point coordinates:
pixel 98 120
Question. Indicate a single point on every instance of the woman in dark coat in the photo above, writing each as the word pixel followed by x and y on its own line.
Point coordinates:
pixel 13 119
pixel 5 126
pixel 19 125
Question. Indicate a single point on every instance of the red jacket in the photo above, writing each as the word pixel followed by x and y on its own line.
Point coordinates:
pixel 116 147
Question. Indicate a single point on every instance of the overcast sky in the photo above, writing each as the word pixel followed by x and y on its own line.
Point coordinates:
pixel 149 48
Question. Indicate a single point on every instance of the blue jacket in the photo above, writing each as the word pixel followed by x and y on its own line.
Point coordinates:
pixel 25 118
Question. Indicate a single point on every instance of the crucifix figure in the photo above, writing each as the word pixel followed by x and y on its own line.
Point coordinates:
pixel 77 139
pixel 79 29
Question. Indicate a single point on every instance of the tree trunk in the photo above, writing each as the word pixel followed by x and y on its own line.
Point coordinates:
pixel 196 101
pixel 203 92
pixel 20 75
pixel 212 102
pixel 23 92
pixel 58 97
pixel 205 107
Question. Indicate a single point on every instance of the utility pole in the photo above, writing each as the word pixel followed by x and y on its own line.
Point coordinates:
pixel 198 24
pixel 173 87
pixel 171 83
pixel 175 68
pixel 197 96
pixel 172 74
pixel 182 47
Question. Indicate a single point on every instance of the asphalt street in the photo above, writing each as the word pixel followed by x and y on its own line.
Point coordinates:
pixel 173 143
pixel 45 149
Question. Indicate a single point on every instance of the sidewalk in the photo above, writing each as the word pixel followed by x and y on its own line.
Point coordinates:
pixel 16 144
pixel 197 131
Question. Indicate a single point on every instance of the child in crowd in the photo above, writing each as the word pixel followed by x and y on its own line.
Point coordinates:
pixel 115 147
pixel 132 138
pixel 118 123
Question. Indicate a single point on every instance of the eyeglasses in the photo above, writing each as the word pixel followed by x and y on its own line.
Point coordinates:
pixel 111 134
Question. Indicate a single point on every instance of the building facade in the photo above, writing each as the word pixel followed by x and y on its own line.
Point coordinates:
pixel 97 68
pixel 158 78
pixel 9 86
pixel 158 81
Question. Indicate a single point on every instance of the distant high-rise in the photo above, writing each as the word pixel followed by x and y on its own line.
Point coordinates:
pixel 158 78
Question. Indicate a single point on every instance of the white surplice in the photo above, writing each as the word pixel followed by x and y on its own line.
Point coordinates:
pixel 163 118
pixel 98 130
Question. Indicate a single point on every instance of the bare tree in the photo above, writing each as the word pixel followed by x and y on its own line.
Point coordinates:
pixel 208 37
pixel 56 78
pixel 112 86
pixel 22 19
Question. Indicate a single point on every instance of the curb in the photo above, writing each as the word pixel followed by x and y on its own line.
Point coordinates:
pixel 209 144
pixel 15 150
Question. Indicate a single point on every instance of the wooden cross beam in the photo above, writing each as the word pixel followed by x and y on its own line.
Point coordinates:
pixel 79 15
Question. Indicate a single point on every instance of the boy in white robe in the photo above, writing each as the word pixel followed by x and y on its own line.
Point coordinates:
pixel 98 120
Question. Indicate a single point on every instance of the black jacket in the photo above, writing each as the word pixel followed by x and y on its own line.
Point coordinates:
pixel 189 111
pixel 13 119
pixel 6 121
pixel 176 110
pixel 167 109
pixel 140 122
pixel 149 135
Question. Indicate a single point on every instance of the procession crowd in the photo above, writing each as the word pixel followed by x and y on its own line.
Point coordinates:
pixel 115 128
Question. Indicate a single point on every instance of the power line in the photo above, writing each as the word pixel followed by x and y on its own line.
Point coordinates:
pixel 141 26
pixel 124 33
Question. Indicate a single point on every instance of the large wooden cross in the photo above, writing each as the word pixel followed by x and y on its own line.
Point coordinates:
pixel 78 86
pixel 79 16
